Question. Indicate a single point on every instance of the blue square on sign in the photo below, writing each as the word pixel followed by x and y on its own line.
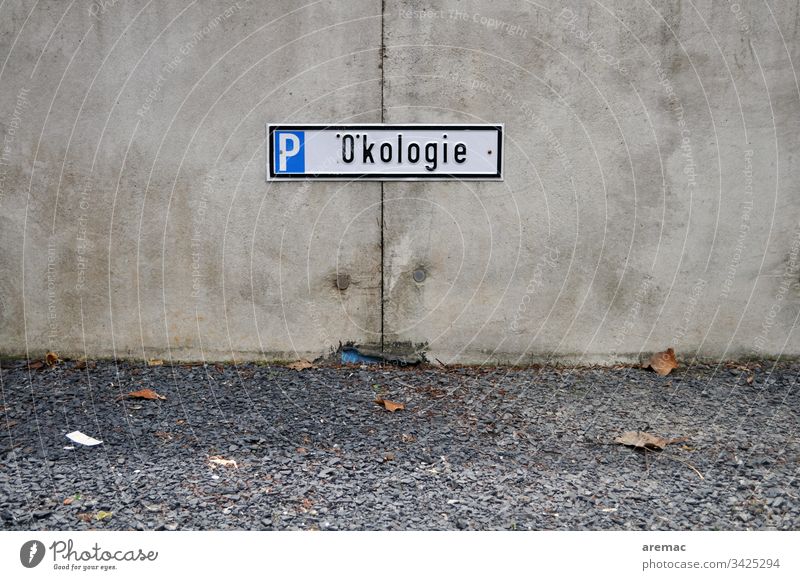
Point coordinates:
pixel 290 155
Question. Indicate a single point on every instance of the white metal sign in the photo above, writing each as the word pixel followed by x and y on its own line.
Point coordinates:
pixel 384 152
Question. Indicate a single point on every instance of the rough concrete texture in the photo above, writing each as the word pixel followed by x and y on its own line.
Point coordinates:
pixel 144 134
pixel 650 193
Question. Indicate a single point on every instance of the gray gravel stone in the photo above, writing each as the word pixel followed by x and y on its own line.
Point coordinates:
pixel 515 448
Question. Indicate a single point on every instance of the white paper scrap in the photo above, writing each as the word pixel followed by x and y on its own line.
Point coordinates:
pixel 82 438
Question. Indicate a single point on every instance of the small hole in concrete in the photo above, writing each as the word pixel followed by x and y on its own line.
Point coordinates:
pixel 419 275
pixel 342 281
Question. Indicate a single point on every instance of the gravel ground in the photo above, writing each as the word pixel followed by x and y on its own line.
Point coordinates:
pixel 474 448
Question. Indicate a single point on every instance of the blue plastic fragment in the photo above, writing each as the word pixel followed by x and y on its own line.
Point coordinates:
pixel 352 356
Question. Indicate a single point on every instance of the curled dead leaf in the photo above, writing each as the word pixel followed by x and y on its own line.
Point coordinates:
pixel 644 440
pixel 69 500
pixel 51 359
pixel 662 362
pixel 391 406
pixel 219 460
pixel 300 365
pixel 146 394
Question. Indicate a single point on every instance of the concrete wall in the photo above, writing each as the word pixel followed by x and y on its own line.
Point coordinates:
pixel 651 199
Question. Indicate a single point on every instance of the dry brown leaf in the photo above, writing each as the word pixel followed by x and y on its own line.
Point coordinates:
pixel 155 362
pixel 390 405
pixel 219 460
pixel 302 450
pixel 85 517
pixel 51 358
pixel 69 500
pixel 644 440
pixel 300 365
pixel 37 364
pixel 663 362
pixel 146 394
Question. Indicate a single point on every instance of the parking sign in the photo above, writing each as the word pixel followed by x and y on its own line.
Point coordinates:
pixel 384 152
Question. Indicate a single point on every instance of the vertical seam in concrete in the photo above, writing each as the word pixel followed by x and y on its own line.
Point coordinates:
pixel 382 55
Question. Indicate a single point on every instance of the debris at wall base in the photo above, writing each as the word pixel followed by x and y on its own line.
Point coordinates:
pixel 351 353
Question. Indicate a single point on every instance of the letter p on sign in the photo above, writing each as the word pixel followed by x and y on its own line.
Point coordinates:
pixel 289 152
